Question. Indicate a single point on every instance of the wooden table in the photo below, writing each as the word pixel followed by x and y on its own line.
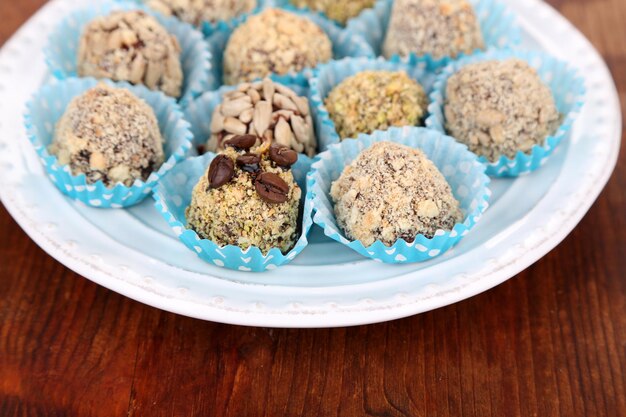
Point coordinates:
pixel 549 342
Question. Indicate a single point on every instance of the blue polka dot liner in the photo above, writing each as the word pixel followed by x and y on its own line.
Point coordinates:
pixel 173 196
pixel 498 25
pixel 48 105
pixel 567 87
pixel 344 44
pixel 61 51
pixel 461 169
pixel 328 76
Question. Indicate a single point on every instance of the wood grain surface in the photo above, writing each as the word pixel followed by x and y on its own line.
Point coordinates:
pixel 549 342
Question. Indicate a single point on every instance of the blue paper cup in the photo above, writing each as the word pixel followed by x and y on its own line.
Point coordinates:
pixel 200 111
pixel 372 23
pixel 345 44
pixel 497 23
pixel 460 167
pixel 367 22
pixel 61 51
pixel 208 28
pixel 48 105
pixel 173 196
pixel 567 87
pixel 328 76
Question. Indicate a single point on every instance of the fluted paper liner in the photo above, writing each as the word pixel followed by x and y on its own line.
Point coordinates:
pixel 173 196
pixel 61 51
pixel 328 76
pixel 567 87
pixel 344 43
pixel 208 28
pixel 368 23
pixel 48 105
pixel 497 23
pixel 461 168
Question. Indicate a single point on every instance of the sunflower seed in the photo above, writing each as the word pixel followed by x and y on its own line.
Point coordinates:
pixel 262 116
pixel 212 144
pixel 233 125
pixel 254 95
pixel 235 107
pixel 233 95
pixel 297 146
pixel 243 87
pixel 284 102
pixel 217 121
pixel 283 134
pixel 286 91
pixel 285 114
pixel 303 105
pixel 299 129
pixel 246 115
pixel 268 89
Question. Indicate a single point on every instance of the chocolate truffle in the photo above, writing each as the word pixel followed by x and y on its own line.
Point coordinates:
pixel 131 46
pixel 248 197
pixel 338 10
pixel 390 192
pixel 109 135
pixel 274 41
pixel 440 28
pixel 375 100
pixel 268 110
pixel 197 11
pixel 499 107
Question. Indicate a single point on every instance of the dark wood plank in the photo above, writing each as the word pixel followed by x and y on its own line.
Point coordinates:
pixel 549 342
pixel 67 346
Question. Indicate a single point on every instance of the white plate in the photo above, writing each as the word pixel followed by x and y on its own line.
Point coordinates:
pixel 134 253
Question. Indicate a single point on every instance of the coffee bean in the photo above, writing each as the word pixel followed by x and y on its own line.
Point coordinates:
pixel 221 171
pixel 283 156
pixel 271 188
pixel 249 162
pixel 241 142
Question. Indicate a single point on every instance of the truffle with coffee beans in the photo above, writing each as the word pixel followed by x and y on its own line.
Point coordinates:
pixel 248 196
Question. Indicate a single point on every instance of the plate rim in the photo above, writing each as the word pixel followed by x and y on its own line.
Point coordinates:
pixel 368 311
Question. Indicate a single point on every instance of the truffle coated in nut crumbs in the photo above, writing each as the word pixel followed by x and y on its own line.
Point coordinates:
pixel 131 46
pixel 197 11
pixel 390 192
pixel 375 100
pixel 237 214
pixel 338 10
pixel 439 28
pixel 265 109
pixel 499 108
pixel 109 134
pixel 274 41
